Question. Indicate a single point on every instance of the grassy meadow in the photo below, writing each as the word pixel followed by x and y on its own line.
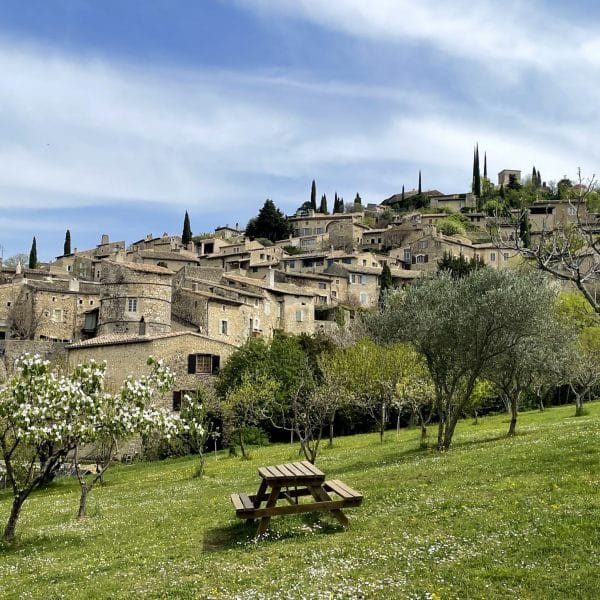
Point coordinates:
pixel 493 518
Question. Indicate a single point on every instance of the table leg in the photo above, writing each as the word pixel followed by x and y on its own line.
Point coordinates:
pixel 272 501
pixel 260 495
pixel 320 495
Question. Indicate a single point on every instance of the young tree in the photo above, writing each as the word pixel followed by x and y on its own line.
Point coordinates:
pixel 67 244
pixel 313 196
pixel 33 260
pixel 525 229
pixel 569 251
pixel 245 406
pixel 461 326
pixel 186 235
pixel 44 416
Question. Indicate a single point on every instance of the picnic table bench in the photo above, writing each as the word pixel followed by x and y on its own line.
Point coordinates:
pixel 290 482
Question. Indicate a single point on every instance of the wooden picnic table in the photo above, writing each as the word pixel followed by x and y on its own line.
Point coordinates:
pixel 290 482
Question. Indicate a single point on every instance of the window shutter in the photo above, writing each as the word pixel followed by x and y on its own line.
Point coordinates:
pixel 191 363
pixel 414 260
pixel 177 400
pixel 216 363
pixel 427 258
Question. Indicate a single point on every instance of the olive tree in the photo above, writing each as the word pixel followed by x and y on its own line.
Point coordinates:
pixel 461 327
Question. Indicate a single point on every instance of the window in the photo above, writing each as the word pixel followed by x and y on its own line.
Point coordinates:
pixel 333 294
pixel 492 257
pixel 224 327
pixel 423 244
pixel 267 308
pixel 203 363
pixel 364 298
pixel 420 258
pixel 364 262
pixel 506 256
pixel 57 315
pixel 299 316
pixel 178 397
pixel 256 324
pixel 322 286
pixel 407 255
pixel 132 304
pixel 363 279
pixel 571 211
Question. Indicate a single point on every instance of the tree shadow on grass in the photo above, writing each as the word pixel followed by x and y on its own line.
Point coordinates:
pixel 47 542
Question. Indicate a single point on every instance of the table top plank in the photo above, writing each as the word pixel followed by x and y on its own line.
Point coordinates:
pixel 292 473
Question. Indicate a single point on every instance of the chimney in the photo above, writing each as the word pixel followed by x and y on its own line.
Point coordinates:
pixel 104 239
pixel 271 278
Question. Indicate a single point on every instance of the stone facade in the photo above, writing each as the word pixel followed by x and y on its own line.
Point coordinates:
pixel 127 355
pixel 132 291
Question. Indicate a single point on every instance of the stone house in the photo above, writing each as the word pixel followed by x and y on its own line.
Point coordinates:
pixel 316 231
pixel 454 202
pixel 46 310
pixel 170 259
pixel 190 356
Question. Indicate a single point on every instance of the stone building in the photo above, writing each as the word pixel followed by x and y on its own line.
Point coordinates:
pixel 134 296
pixel 190 356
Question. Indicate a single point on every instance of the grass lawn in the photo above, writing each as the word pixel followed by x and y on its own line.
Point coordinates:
pixel 493 518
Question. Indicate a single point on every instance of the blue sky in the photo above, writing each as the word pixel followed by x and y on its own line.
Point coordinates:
pixel 118 116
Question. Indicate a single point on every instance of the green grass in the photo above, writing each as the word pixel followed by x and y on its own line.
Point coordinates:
pixel 493 518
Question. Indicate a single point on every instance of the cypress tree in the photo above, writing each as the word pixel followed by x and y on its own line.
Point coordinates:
pixel 186 236
pixel 419 191
pixel 402 197
pixel 385 282
pixel 33 261
pixel 313 196
pixel 323 206
pixel 485 165
pixel 357 199
pixel 476 172
pixel 67 246
pixel 534 177
pixel 539 179
pixel 525 229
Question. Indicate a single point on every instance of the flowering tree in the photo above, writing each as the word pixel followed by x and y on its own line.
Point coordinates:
pixel 45 415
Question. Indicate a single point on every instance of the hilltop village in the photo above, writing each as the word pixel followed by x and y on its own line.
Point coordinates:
pixel 192 304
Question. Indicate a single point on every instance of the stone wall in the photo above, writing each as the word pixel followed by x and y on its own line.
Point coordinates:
pixel 131 292
pixel 129 359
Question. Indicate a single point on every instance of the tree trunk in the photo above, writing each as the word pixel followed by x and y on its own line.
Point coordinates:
pixel 15 512
pixel 331 430
pixel 423 443
pixel 83 501
pixel 382 424
pixel 578 405
pixel 514 412
pixel 440 436
pixel 242 447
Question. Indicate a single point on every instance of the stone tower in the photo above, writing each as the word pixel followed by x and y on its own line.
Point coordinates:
pixel 131 291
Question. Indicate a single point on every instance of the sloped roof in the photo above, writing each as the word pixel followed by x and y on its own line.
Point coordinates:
pixel 113 339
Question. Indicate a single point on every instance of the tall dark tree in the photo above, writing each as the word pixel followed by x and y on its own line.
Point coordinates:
pixel 476 172
pixel 270 223
pixel 402 196
pixel 313 195
pixel 186 236
pixel 485 165
pixel 539 179
pixel 534 177
pixel 357 199
pixel 525 229
pixel 419 190
pixel 33 260
pixel 323 205
pixel 67 245
pixel 385 283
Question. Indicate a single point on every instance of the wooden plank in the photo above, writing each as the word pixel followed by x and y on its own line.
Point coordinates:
pixel 287 472
pixel 341 489
pixel 289 509
pixel 237 502
pixel 293 469
pixel 247 502
pixel 311 468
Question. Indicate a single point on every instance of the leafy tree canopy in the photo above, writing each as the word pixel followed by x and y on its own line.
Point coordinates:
pixel 270 223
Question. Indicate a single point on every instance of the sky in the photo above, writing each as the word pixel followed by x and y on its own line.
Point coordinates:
pixel 118 116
